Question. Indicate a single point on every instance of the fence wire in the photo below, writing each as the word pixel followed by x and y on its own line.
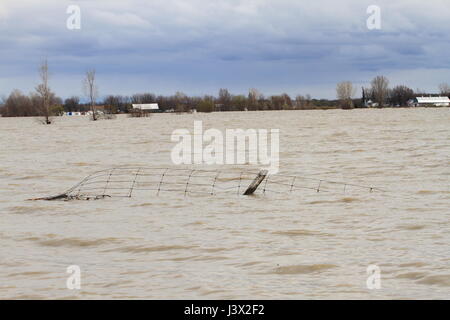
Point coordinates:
pixel 127 182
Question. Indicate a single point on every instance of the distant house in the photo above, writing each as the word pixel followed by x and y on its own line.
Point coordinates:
pixel 98 110
pixel 435 101
pixel 370 104
pixel 145 106
pixel 74 113
pixel 143 109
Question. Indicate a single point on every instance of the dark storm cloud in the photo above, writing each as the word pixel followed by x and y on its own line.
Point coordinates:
pixel 199 45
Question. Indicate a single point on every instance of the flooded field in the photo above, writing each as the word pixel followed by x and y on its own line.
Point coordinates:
pixel 302 245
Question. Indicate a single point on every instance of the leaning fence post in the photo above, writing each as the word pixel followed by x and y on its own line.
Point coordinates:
pixel 187 182
pixel 256 182
pixel 107 181
pixel 134 182
pixel 292 184
pixel 214 183
pixel 239 186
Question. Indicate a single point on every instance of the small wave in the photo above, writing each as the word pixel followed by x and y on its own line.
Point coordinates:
pixel 210 258
pixel 211 250
pixel 28 297
pixel 28 273
pixel 438 280
pixel 303 269
pixel 251 263
pixel 207 293
pixel 341 200
pixel 195 223
pixel 75 242
pixel 25 209
pixel 301 233
pixel 81 164
pixel 31 177
pixel 413 264
pixel 227 179
pixel 318 202
pixel 145 204
pixel 116 283
pixel 339 134
pixel 425 192
pixel 142 142
pixel 411 275
pixel 180 258
pixel 194 288
pixel 412 227
pixel 143 249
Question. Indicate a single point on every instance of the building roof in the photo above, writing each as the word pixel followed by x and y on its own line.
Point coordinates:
pixel 433 100
pixel 146 106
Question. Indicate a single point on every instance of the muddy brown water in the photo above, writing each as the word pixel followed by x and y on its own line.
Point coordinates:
pixel 283 246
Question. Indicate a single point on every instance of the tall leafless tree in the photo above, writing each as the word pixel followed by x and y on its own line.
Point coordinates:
pixel 345 92
pixel 380 89
pixel 308 100
pixel 91 91
pixel 300 101
pixel 253 99
pixel 44 92
pixel 224 99
pixel 444 89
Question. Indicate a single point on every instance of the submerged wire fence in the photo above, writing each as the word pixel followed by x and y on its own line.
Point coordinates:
pixel 127 182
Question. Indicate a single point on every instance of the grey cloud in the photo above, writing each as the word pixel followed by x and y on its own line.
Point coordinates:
pixel 275 45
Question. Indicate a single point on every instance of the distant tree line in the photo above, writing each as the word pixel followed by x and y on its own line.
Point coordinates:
pixel 380 94
pixel 19 104
pixel 44 103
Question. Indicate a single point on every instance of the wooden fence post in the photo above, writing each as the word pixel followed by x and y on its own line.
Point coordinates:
pixel 256 182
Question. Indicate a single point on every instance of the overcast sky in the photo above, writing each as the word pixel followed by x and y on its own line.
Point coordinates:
pixel 199 46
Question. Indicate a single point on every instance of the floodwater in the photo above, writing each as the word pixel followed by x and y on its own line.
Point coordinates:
pixel 301 245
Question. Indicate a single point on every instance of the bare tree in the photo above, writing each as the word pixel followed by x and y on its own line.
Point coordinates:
pixel 308 100
pixel 44 92
pixel 224 99
pixel 400 95
pixel 345 92
pixel 419 92
pixel 444 89
pixel 91 91
pixel 143 98
pixel 72 104
pixel 300 102
pixel 287 102
pixel 380 89
pixel 18 105
pixel 253 99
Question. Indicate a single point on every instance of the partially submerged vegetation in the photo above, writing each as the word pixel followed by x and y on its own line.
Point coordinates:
pixel 91 92
pixel 44 93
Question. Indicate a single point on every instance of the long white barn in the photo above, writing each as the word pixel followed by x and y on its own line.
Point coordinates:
pixel 146 106
pixel 437 101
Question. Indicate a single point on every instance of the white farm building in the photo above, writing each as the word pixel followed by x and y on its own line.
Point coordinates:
pixel 436 101
pixel 146 106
